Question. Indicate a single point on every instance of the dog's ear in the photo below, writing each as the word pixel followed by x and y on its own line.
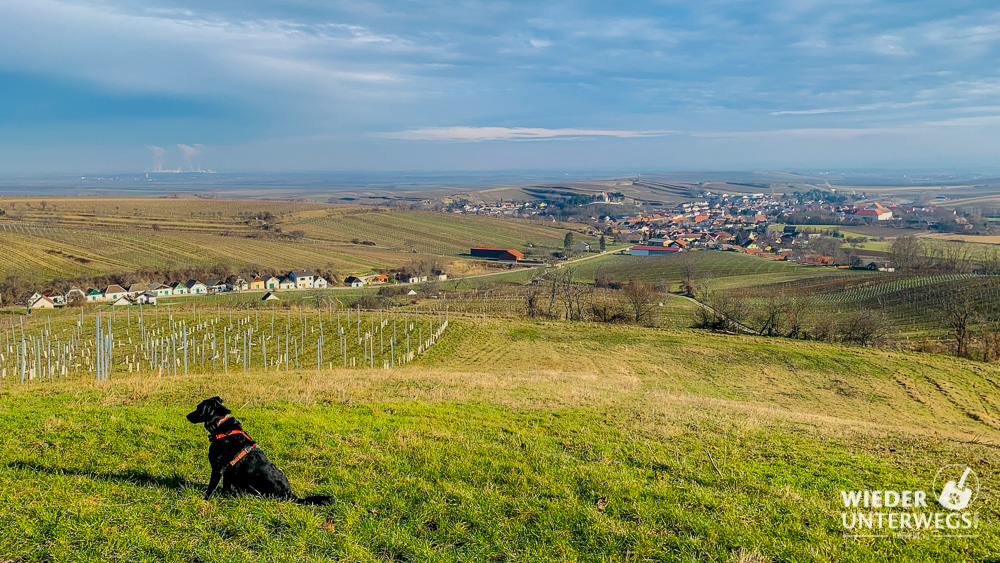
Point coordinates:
pixel 216 399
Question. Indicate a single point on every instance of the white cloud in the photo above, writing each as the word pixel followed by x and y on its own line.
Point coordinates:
pixel 182 52
pixel 476 134
pixel 825 133
pixel 847 109
pixel 891 45
pixel 852 132
pixel 978 121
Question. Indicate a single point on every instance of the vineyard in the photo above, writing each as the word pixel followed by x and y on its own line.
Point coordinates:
pixel 510 301
pixel 431 233
pixel 65 346
pixel 913 303
pixel 41 240
pixel 711 269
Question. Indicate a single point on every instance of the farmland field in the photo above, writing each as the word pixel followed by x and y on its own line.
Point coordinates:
pixel 951 237
pixel 509 440
pixel 45 239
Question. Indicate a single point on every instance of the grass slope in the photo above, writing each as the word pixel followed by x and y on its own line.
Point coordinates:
pixel 523 441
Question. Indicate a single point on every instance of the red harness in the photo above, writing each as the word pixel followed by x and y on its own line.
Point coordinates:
pixel 243 453
pixel 228 434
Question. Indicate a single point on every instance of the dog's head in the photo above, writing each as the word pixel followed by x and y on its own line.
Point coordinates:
pixel 208 410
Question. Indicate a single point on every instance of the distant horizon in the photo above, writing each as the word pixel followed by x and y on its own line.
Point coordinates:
pixel 994 169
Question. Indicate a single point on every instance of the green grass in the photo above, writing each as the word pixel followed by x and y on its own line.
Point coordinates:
pixel 510 441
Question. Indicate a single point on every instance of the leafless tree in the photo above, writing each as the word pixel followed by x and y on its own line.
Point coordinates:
pixel 641 297
pixel 907 253
pixel 770 316
pixel 989 261
pixel 960 312
pixel 532 299
pixel 578 298
pixel 606 311
pixel 722 312
pixel 865 327
pixel 956 258
pixel 795 308
pixel 76 299
pixel 688 273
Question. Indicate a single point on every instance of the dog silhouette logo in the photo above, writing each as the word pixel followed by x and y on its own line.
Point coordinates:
pixel 961 486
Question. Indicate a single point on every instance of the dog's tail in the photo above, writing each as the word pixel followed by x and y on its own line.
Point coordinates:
pixel 315 500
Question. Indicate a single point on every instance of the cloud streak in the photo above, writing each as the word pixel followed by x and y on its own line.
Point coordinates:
pixel 851 109
pixel 478 134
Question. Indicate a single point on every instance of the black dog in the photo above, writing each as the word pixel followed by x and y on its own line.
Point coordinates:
pixel 238 460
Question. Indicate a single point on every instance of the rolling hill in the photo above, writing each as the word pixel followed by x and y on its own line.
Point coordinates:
pixel 511 440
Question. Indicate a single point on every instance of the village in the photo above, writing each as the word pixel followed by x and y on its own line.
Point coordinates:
pixel 149 293
pixel 788 227
pixel 744 224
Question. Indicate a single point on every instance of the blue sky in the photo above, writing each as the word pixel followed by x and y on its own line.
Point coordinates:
pixel 109 85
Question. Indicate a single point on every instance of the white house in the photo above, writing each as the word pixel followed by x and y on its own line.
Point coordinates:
pixel 216 286
pixel 160 289
pixel 94 295
pixel 286 283
pixel 178 288
pixel 320 283
pixel 147 298
pixel 195 287
pixel 114 292
pixel 271 282
pixel 137 288
pixel 55 296
pixel 41 302
pixel 302 279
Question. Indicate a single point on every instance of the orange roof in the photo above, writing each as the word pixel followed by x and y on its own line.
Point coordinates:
pixel 513 254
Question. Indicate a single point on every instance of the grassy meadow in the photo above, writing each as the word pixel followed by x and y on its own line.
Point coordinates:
pixel 510 440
